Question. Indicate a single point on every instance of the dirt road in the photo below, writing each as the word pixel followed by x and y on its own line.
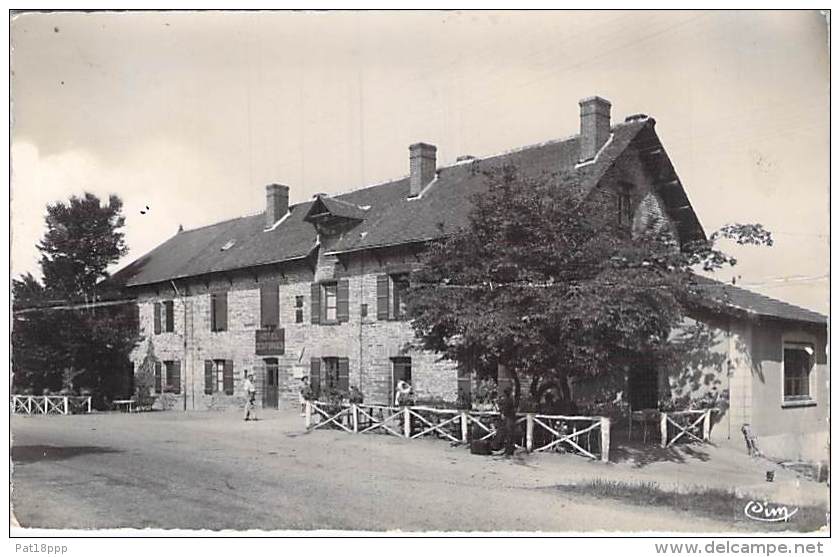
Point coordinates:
pixel 215 471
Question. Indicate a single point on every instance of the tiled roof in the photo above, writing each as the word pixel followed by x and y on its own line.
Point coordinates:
pixel 388 216
pixel 756 304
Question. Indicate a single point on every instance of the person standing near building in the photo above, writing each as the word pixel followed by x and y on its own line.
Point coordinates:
pixel 507 408
pixel 250 397
pixel 304 394
pixel 403 393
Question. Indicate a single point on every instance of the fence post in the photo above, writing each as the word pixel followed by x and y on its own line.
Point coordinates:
pixel 406 423
pixel 663 429
pixel 605 439
pixel 66 406
pixel 529 432
pixel 88 404
pixel 707 425
pixel 308 413
pixel 29 405
pixel 355 411
pixel 46 404
pixel 464 427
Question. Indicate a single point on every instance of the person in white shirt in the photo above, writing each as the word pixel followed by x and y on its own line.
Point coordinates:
pixel 403 391
pixel 250 397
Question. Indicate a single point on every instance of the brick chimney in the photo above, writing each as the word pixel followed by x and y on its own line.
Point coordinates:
pixel 594 126
pixel 423 165
pixel 276 203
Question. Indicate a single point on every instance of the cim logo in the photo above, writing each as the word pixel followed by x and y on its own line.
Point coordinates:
pixel 768 512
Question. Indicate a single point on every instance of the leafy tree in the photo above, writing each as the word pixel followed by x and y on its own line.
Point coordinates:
pixel 81 241
pixel 59 342
pixel 544 281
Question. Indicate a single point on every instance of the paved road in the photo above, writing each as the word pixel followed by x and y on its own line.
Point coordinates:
pixel 214 471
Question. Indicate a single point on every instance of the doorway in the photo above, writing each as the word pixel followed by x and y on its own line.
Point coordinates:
pixel 643 388
pixel 400 371
pixel 272 382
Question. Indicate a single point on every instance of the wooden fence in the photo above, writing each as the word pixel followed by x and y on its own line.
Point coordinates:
pixel 50 404
pixel 586 435
pixel 687 424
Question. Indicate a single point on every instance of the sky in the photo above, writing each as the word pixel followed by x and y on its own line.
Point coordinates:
pixel 193 113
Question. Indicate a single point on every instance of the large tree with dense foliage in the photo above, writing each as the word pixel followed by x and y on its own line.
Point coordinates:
pixel 545 281
pixel 62 339
pixel 82 240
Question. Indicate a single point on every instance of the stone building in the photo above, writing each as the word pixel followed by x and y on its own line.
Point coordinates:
pixel 316 288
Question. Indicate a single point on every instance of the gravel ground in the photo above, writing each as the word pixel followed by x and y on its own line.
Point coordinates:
pixel 214 471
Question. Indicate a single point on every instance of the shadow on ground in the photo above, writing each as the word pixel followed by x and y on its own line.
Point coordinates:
pixel 35 453
pixel 640 455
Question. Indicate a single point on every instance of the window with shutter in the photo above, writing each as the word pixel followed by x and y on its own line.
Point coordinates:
pixel 209 369
pixel 316 303
pixel 330 302
pixel 269 306
pixel 158 378
pixel 218 311
pixel 382 287
pixel 343 301
pixel 228 377
pixel 400 284
pixel 173 377
pixel 315 376
pixel 344 374
pixel 169 310
pixel 157 318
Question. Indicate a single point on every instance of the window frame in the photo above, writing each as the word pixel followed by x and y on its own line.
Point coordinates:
pixel 624 202
pixel 299 309
pixel 325 297
pixel 809 399
pixel 397 295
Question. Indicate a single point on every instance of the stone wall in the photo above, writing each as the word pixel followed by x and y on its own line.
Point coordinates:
pixel 369 344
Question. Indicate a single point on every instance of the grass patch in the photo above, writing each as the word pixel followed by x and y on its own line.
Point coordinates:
pixel 719 504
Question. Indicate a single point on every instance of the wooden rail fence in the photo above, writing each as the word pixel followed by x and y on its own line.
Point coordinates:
pixel 585 435
pixel 693 424
pixel 50 404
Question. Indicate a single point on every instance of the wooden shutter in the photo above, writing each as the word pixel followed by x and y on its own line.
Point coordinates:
pixel 382 297
pixel 222 312
pixel 343 301
pixel 269 305
pixel 158 378
pixel 344 374
pixel 170 316
pixel 157 318
pixel 316 303
pixel 209 376
pixel 227 377
pixel 173 376
pixel 315 376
